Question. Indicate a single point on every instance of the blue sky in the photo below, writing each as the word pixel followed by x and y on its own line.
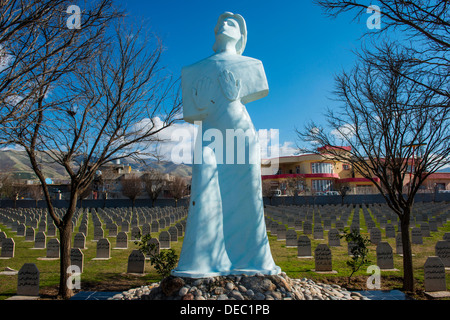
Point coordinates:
pixel 300 47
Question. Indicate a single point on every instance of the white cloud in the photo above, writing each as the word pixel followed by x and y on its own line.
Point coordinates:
pixel 178 142
pixel 345 132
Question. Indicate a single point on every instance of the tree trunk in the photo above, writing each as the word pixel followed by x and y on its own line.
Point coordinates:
pixel 65 245
pixel 408 272
pixel 65 242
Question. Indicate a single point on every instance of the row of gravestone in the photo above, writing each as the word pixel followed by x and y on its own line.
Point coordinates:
pixel 28 278
pixel 296 220
pixel 166 237
pixel 442 248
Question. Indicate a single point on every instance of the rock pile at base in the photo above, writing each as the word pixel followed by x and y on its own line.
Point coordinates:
pixel 257 287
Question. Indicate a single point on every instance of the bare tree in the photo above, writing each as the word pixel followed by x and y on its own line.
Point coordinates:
pixel 343 189
pixel 178 188
pixel 154 183
pixel 423 21
pixel 131 187
pixel 111 106
pixel 11 189
pixel 37 48
pixel 395 129
pixel 267 190
pixel 35 191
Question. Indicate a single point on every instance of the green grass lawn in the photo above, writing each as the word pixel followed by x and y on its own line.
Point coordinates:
pixel 110 275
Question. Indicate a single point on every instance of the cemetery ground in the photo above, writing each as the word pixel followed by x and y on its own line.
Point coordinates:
pixel 111 275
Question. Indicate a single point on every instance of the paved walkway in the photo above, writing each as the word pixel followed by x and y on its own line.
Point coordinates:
pixel 372 295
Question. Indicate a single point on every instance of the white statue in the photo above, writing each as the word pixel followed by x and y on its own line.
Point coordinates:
pixel 225 232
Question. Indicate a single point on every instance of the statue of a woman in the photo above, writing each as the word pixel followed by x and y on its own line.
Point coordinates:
pixel 225 231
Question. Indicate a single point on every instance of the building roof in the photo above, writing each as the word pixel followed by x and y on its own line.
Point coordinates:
pixel 325 148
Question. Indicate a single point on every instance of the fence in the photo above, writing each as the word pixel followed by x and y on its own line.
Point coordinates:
pixel 275 201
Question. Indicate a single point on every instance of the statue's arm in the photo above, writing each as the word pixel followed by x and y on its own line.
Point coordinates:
pixel 245 81
pixel 203 93
pixel 231 87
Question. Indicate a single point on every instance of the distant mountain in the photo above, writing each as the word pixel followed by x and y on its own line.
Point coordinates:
pixel 17 163
pixel 169 167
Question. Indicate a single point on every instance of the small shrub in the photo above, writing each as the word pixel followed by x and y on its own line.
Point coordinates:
pixel 164 261
pixel 359 251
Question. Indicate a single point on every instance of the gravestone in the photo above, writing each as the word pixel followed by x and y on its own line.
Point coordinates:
pixel 298 225
pixel 53 249
pixel 375 236
pixel 350 246
pixel 334 239
pixel 155 243
pixel 146 229
pixel 399 243
pixel 125 226
pixel 83 228
pixel 42 226
pixel 8 247
pixel 291 238
pixel 318 232
pixel 281 232
pixel 340 226
pixel 164 240
pixel 416 236
pixel 21 230
pixel 327 224
pixel 28 280
pixel 370 224
pixel 433 225
pixel 29 234
pixel 122 240
pixel 77 258
pixel 390 231
pixel 98 233
pixel 434 270
pixel 103 249
pixel 385 258
pixel 162 223
pixel 51 230
pixel 136 262
pixel 155 226
pixel 180 229
pixel 425 228
pixel 446 236
pixel 442 250
pixel 112 230
pixel 322 258
pixel 135 233
pixel 79 241
pixel 307 227
pixel 173 234
pixel 273 227
pixel 2 237
pixel 40 240
pixel 303 247
pixel 354 228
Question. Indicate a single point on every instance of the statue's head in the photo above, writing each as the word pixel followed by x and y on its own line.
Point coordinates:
pixel 231 27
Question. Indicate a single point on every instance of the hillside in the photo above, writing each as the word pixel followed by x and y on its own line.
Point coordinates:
pixel 17 163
